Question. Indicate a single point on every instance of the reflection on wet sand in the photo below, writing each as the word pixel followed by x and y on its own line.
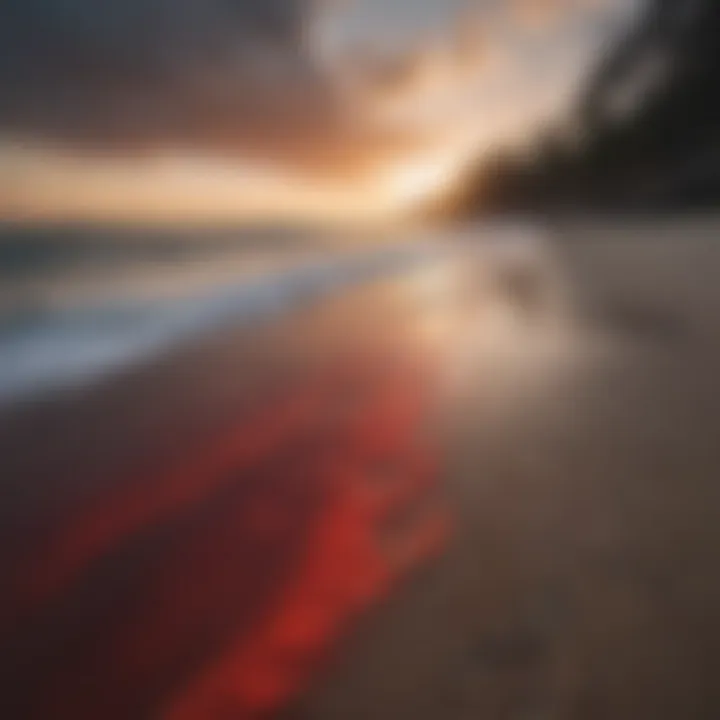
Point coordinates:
pixel 214 577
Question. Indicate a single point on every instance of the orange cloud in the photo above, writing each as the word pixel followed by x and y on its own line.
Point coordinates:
pixel 547 14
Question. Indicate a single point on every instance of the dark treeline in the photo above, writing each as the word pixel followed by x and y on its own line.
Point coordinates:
pixel 645 134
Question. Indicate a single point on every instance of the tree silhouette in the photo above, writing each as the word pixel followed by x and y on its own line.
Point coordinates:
pixel 647 127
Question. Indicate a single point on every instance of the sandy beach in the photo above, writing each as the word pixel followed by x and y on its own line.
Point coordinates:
pixel 576 474
pixel 582 580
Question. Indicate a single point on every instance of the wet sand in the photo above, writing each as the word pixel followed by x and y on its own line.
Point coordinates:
pixel 583 580
pixel 189 540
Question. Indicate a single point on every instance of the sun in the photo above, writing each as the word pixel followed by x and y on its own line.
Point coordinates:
pixel 420 179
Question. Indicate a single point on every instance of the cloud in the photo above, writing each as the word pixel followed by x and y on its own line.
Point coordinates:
pixel 234 77
pixel 549 14
pixel 539 14
pixel 250 80
pixel 428 78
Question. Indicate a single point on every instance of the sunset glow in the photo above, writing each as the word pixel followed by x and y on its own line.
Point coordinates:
pixel 42 186
pixel 420 179
pixel 357 111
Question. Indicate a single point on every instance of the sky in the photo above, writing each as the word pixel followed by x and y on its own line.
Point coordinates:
pixel 172 110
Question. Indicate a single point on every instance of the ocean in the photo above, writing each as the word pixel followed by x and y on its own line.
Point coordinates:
pixel 79 303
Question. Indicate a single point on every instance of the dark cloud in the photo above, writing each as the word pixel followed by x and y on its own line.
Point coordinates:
pixel 228 76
